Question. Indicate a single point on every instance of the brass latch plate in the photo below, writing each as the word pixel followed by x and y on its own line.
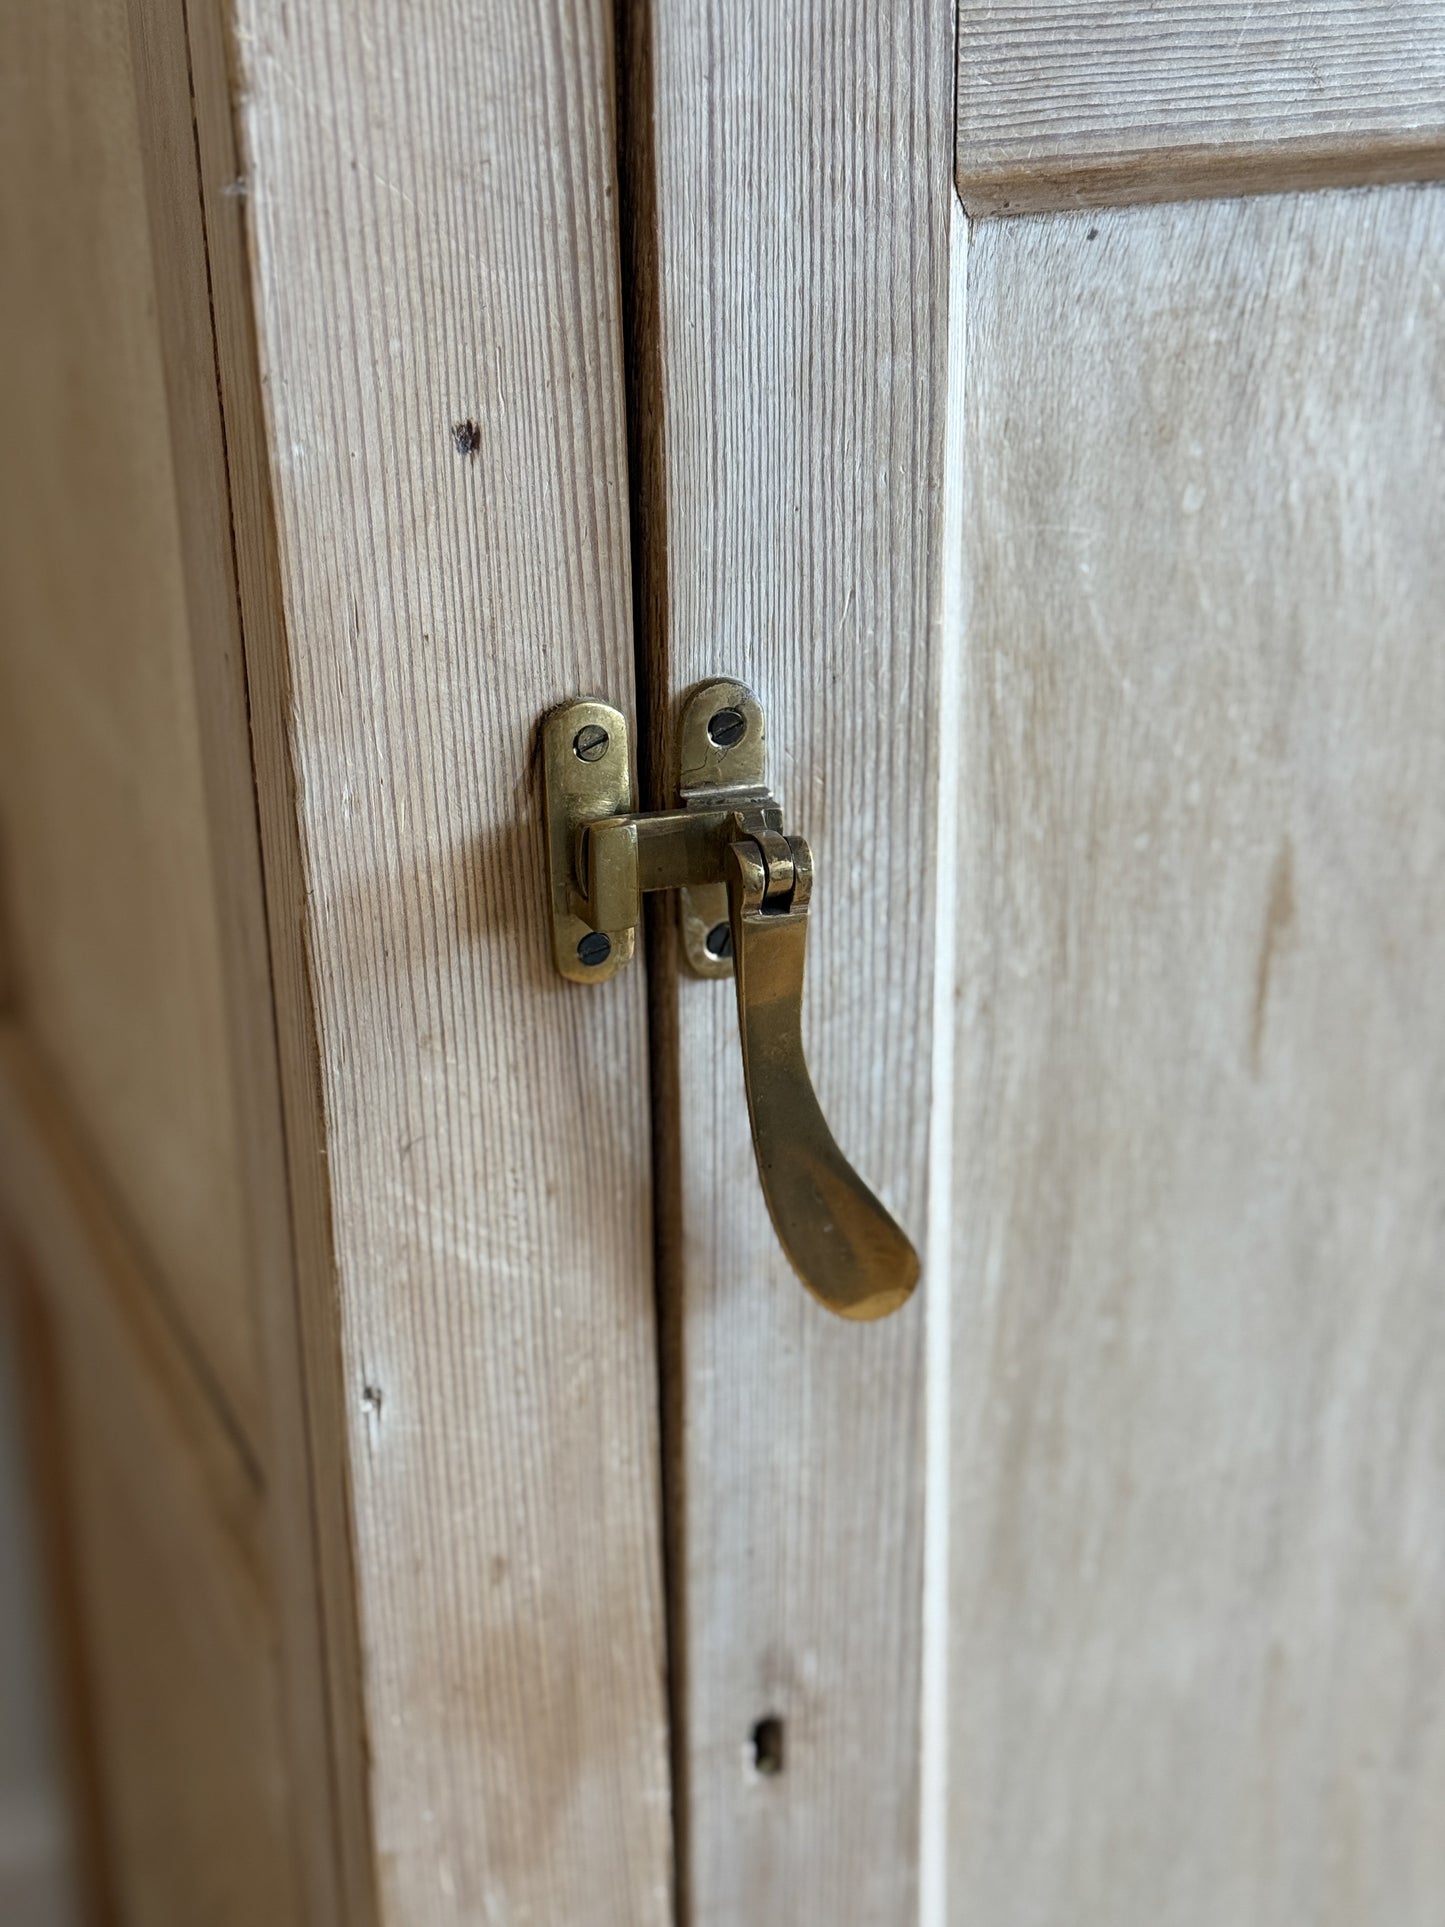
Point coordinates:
pixel 744 888
pixel 587 768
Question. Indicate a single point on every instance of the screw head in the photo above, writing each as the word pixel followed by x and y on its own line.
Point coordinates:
pixel 719 941
pixel 595 948
pixel 590 742
pixel 727 728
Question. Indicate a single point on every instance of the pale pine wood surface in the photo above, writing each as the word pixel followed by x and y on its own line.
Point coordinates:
pixel 789 339
pixel 1198 1343
pixel 110 882
pixel 434 243
pixel 1079 103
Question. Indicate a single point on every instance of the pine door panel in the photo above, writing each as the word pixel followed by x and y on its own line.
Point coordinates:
pixel 1196 1342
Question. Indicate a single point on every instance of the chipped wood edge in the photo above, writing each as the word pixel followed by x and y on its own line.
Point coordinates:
pixel 313 1510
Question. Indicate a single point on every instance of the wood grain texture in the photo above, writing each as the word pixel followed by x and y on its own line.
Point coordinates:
pixel 1079 105
pixel 112 886
pixel 789 355
pixel 434 246
pixel 166 1523
pixel 1198 1458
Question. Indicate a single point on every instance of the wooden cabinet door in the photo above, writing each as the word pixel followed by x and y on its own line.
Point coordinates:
pixel 1086 553
pixel 314 499
pixel 470 1518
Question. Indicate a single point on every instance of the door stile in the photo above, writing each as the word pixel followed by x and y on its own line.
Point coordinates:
pixel 786 343
pixel 440 402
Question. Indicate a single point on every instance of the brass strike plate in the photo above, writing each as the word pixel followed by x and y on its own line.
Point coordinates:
pixel 714 769
pixel 586 773
pixel 707 938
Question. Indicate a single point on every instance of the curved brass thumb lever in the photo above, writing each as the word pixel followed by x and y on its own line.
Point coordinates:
pixel 745 888
pixel 839 1239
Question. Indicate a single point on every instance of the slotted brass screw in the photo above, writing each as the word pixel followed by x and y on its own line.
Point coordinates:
pixel 727 728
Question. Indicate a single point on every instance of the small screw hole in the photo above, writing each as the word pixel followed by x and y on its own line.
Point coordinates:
pixel 727 728
pixel 719 941
pixel 595 948
pixel 767 1739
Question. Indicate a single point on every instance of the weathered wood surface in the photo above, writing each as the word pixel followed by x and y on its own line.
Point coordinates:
pixel 1080 103
pixel 434 241
pixel 788 201
pixel 1198 1351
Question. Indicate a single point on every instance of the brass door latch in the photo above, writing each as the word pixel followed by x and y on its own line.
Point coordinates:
pixel 744 888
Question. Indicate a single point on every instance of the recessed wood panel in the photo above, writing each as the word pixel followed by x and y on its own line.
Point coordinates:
pixel 1080 105
pixel 1198 1337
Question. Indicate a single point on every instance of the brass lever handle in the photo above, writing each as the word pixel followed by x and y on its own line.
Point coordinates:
pixel 839 1239
pixel 745 889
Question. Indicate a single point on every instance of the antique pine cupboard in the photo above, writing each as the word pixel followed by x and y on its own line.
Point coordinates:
pixel 460 1512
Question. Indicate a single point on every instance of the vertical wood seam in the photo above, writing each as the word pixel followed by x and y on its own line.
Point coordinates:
pixel 639 308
